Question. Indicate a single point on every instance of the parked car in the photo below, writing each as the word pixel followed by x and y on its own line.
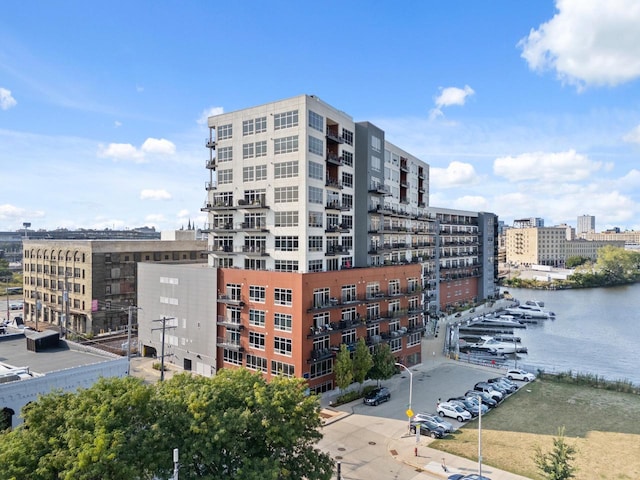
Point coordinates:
pixel 470 405
pixel 487 388
pixel 427 427
pixel 484 408
pixel 449 409
pixel 447 426
pixel 470 476
pixel 504 382
pixel 487 399
pixel 522 375
pixel 377 396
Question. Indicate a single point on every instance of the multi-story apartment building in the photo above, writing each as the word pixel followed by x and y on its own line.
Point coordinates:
pixel 85 285
pixel 322 234
pixel 586 224
pixel 531 222
pixel 549 246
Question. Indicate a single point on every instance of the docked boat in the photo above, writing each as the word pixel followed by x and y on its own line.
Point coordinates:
pixel 501 321
pixel 490 344
pixel 531 310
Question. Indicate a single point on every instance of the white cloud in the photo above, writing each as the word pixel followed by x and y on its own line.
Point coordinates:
pixel 588 43
pixel 476 203
pixel 633 136
pixel 126 151
pixel 554 168
pixel 155 218
pixel 121 151
pixel 210 112
pixel 149 194
pixel 158 146
pixel 139 88
pixel 450 96
pixel 456 174
pixel 117 124
pixel 6 100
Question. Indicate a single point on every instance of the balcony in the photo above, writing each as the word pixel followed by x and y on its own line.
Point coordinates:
pixel 217 205
pixel 334 159
pixel 218 227
pixel 404 166
pixel 211 186
pixel 333 183
pixel 254 250
pixel 333 136
pixel 211 163
pixel 210 143
pixel 379 189
pixel 253 204
pixel 333 250
pixel 229 344
pixel 230 300
pixel 254 226
pixel 220 250
pixel 318 354
pixel 229 323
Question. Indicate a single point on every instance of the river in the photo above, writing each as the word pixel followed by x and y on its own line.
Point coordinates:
pixel 596 331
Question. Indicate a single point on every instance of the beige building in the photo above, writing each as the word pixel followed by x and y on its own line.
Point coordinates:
pixel 632 237
pixel 548 246
pixel 94 281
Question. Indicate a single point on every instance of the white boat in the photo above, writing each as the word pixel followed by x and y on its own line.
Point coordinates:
pixel 494 346
pixel 532 310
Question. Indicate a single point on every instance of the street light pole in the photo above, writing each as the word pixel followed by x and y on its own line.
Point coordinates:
pixel 479 436
pixel 410 388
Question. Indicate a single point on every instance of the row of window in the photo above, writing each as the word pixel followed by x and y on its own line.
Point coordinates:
pixel 258 363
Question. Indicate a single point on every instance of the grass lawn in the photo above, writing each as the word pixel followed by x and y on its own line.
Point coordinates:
pixel 604 427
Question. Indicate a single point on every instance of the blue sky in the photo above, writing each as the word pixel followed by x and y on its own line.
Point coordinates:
pixel 524 109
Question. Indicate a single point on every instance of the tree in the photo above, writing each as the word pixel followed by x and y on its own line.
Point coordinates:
pixel 234 426
pixel 383 363
pixel 575 261
pixel 343 368
pixel 556 465
pixel 618 264
pixel 362 361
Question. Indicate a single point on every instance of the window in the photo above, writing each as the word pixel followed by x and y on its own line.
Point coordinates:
pixel 261 172
pixel 315 265
pixel 256 340
pixel 321 297
pixel 347 200
pixel 285 194
pixel 261 148
pixel 286 266
pixel 247 127
pixel 261 124
pixel 319 369
pixel 283 296
pixel 285 169
pixel 395 344
pixel 347 179
pixel 414 339
pixel 285 145
pixel 231 356
pixel 316 145
pixel 315 219
pixel 225 176
pixel 348 136
pixel 280 368
pixel 349 293
pixel 282 321
pixel 394 287
pixel 247 150
pixel 315 243
pixel 257 317
pixel 286 219
pixel 315 195
pixel 285 120
pixel 376 164
pixel 287 244
pixel 347 158
pixel 316 121
pixel 257 293
pixel 225 131
pixel 247 174
pixel 225 154
pixel 349 336
pixel 256 363
pixel 282 346
pixel 376 143
pixel 315 170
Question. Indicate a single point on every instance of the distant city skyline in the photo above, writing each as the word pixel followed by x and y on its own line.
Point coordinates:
pixel 103 107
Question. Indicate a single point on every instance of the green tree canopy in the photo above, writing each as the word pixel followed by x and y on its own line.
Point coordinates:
pixel 383 363
pixel 362 361
pixel 617 264
pixel 234 426
pixel 575 261
pixel 557 464
pixel 343 368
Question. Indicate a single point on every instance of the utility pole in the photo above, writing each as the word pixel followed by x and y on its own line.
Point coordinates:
pixel 176 465
pixel 66 303
pixel 163 328
pixel 130 310
pixel 37 307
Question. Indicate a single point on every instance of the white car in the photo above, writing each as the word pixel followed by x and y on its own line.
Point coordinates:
pixel 449 409
pixel 446 426
pixel 522 375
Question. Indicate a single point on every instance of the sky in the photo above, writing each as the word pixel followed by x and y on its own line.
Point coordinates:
pixel 523 109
